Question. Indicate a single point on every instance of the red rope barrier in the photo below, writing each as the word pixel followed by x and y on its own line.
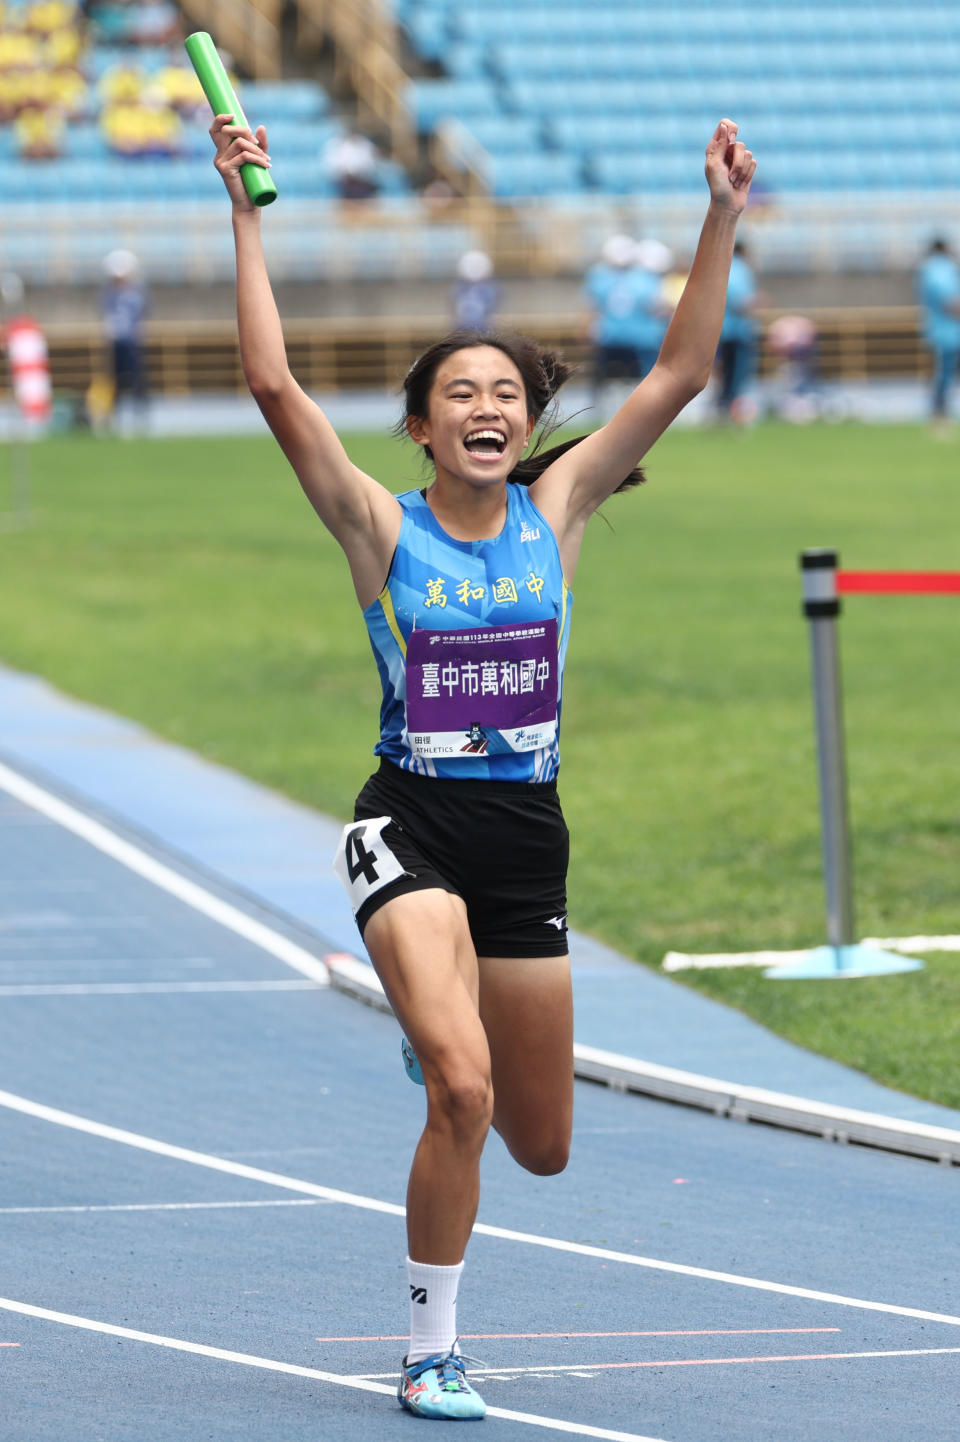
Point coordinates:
pixel 941 583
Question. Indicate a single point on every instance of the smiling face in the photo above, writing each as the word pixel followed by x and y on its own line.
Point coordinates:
pixel 476 423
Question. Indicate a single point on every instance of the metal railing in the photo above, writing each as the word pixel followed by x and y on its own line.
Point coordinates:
pixel 192 357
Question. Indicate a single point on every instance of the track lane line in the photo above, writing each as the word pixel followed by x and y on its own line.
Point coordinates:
pixel 245 1359
pixel 197 1159
pixel 151 988
pixel 163 877
pixel 372 1204
pixel 163 1207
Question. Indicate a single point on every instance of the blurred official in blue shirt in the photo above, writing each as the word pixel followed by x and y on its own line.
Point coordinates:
pixel 938 292
pixel 628 314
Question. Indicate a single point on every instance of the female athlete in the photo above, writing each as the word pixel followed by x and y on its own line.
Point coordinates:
pixel 456 860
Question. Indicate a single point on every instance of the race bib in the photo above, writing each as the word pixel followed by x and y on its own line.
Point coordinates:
pixel 481 691
pixel 364 862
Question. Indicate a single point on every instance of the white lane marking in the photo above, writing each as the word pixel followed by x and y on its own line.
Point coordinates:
pixel 371 1204
pixel 148 988
pixel 162 1206
pixel 732 1279
pixel 245 1359
pixel 197 1159
pixel 162 876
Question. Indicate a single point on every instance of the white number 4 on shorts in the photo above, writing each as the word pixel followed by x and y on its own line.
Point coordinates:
pixel 364 862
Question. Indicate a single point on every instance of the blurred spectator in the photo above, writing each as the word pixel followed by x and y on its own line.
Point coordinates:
pixel 135 22
pixel 938 291
pixel 736 353
pixel 438 195
pixel 70 92
pixel 39 134
pixel 41 85
pixel 48 17
pixel 182 92
pixel 122 84
pixel 108 21
pixel 476 293
pixel 793 340
pixel 351 162
pixel 626 300
pixel 125 303
pixel 146 127
pixel 154 22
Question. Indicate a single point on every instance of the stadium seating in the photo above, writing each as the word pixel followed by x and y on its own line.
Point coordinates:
pixel 97 97
pixel 620 95
pixel 592 103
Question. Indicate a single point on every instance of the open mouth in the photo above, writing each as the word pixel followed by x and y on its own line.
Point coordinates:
pixel 486 444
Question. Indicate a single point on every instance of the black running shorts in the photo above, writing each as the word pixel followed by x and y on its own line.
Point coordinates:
pixel 503 846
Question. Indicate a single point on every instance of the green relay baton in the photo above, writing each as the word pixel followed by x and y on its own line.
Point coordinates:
pixel 223 101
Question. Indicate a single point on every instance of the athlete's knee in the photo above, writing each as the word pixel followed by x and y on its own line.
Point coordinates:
pixel 545 1154
pixel 463 1099
pixel 547 1160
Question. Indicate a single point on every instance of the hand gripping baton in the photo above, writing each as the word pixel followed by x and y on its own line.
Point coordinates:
pixel 223 101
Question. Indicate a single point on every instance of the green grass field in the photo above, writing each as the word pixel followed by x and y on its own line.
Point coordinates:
pixel 189 586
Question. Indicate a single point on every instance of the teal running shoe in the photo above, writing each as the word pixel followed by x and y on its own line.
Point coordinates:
pixel 437 1387
pixel 410 1063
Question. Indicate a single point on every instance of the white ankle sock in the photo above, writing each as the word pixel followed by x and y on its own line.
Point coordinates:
pixel 433 1308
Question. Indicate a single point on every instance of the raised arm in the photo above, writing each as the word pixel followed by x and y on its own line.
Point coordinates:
pixel 579 481
pixel 361 514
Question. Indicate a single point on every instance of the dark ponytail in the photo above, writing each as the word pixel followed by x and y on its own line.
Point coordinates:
pixel 543 373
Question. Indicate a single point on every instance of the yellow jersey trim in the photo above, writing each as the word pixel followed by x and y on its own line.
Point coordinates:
pixel 563 614
pixel 386 601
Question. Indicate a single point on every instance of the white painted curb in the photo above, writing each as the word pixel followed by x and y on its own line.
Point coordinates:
pixel 709 960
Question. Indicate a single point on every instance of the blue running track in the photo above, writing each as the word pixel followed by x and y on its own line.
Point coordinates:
pixel 204 1146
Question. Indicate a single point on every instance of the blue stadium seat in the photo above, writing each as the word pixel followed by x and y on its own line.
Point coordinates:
pixel 83 142
pixel 611 97
pixel 295 138
pixel 101 58
pixel 434 100
pixel 535 173
pixel 429 35
pixel 665 172
pixel 498 133
pixel 284 100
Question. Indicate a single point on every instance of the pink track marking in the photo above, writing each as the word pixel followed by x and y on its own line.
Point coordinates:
pixel 733 1361
pixel 532 1336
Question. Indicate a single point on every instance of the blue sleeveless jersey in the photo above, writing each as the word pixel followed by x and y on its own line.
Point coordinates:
pixel 470 639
